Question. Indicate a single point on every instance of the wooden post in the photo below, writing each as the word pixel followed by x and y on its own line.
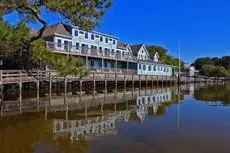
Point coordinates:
pixel 152 82
pixel 20 91
pixel 65 90
pixel 94 85
pixel 67 113
pixel 133 82
pixel 116 81
pixel 146 82
pixel 1 77
pixel 166 81
pixel 50 88
pixel 2 98
pixel 105 83
pixel 125 82
pixel 139 82
pixel 157 80
pixel 80 82
pixel 38 91
pixel 162 81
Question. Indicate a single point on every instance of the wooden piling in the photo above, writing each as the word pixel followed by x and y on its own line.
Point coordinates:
pixel 65 90
pixel 157 80
pixel 125 82
pixel 50 87
pixel 106 83
pixel 116 81
pixel 152 82
pixel 38 90
pixel 139 82
pixel 20 91
pixel 133 82
pixel 1 77
pixel 94 84
pixel 80 82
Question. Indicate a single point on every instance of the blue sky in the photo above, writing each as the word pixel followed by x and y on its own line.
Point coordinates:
pixel 202 26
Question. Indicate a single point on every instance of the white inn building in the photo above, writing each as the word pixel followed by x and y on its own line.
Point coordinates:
pixel 103 52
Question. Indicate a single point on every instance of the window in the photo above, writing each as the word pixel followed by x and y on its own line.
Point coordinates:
pixel 100 50
pixel 84 46
pixel 161 68
pixel 92 36
pixel 114 42
pixel 96 36
pixel 66 45
pixel 106 40
pixel 86 35
pixel 149 99
pixel 149 67
pixel 93 47
pixel 101 39
pixel 154 68
pixel 77 45
pixel 154 99
pixel 158 68
pixel 81 32
pixel 92 63
pixel 164 69
pixel 112 51
pixel 59 42
pixel 76 33
pixel 139 66
pixel 144 67
pixel 110 39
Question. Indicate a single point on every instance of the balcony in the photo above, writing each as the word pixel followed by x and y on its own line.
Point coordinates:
pixel 91 52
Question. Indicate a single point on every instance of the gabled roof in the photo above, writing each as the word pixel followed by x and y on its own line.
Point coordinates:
pixel 56 29
pixel 121 45
pixel 136 48
pixel 153 53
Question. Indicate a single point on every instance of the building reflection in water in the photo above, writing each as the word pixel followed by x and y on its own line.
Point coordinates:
pixel 105 125
pixel 90 128
pixel 154 100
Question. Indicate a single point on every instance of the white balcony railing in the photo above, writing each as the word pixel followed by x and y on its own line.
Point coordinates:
pixel 84 51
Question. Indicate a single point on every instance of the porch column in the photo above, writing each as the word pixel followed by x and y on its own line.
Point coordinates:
pixel 102 64
pixel 116 65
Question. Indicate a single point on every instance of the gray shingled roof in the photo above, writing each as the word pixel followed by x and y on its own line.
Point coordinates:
pixel 135 48
pixel 121 45
pixel 56 29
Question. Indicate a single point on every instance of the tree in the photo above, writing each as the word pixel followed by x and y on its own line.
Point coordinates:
pixel 213 71
pixel 16 40
pixel 218 67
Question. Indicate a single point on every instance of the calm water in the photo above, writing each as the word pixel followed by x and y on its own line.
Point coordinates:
pixel 157 121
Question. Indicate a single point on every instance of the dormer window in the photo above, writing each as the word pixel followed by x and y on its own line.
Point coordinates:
pixel 106 40
pixel 76 33
pixel 114 42
pixel 81 32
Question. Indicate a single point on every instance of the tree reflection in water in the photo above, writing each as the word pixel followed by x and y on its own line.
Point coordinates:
pixel 213 93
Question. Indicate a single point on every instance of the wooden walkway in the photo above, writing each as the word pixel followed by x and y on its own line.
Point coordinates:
pixel 18 76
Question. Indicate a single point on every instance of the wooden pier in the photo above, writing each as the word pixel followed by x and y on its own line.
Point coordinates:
pixel 50 83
